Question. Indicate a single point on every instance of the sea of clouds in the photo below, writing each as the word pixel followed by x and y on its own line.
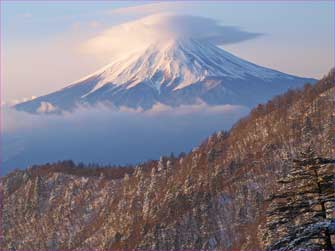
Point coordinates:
pixel 102 135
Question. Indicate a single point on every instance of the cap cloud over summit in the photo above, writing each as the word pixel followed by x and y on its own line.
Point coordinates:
pixel 140 33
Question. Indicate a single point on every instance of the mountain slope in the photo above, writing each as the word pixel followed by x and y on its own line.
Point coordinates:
pixel 178 71
pixel 212 198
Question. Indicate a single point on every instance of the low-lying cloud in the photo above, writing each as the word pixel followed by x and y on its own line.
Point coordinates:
pixel 105 136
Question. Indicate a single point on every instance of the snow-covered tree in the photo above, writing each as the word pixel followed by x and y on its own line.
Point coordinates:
pixel 300 214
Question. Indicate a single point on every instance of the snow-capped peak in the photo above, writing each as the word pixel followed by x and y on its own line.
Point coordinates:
pixel 173 72
pixel 176 63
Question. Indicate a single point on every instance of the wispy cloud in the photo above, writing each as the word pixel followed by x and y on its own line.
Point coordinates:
pixel 13 102
pixel 150 8
pixel 26 15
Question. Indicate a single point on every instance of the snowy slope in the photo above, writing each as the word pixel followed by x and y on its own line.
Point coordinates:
pixel 176 72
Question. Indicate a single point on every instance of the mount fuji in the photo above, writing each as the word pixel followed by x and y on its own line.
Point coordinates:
pixel 175 72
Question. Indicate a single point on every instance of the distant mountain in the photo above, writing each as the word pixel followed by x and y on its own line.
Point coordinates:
pixel 214 197
pixel 176 72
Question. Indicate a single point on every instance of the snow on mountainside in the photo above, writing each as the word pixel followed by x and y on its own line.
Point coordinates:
pixel 175 72
pixel 177 64
pixel 213 198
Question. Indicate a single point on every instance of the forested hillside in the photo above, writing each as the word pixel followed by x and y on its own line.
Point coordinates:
pixel 218 196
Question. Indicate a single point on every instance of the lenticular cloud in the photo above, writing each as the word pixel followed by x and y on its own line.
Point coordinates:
pixel 140 33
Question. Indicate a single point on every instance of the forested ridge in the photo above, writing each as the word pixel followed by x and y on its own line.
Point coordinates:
pixel 217 196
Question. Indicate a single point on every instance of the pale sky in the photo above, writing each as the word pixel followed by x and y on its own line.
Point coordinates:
pixel 41 41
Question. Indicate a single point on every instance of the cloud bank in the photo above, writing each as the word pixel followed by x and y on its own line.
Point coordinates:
pixel 139 34
pixel 107 136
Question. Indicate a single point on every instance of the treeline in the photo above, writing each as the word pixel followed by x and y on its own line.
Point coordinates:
pixel 96 170
pixel 84 170
pixel 309 92
pixel 281 102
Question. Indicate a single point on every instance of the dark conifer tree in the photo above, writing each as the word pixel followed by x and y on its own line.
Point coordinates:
pixel 300 214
